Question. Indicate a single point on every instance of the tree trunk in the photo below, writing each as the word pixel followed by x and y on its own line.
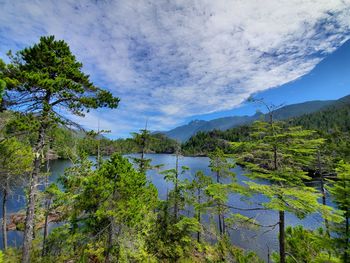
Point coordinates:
pixel 323 191
pixel 219 206
pixel 110 241
pixel 275 158
pixel 98 145
pixel 282 237
pixel 220 223
pixel 223 224
pixel 218 177
pixel 199 215
pixel 112 227
pixel 176 208
pixel 29 222
pixel 4 217
pixel 30 213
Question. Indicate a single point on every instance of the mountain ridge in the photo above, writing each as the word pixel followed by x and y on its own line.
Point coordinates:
pixel 184 132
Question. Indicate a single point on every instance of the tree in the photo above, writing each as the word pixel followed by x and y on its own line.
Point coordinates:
pixel 198 197
pixel 176 195
pixel 323 166
pixel 108 208
pixel 15 164
pixel 46 79
pixel 142 140
pixel 52 192
pixel 221 166
pixel 340 191
pixel 280 154
pixel 96 135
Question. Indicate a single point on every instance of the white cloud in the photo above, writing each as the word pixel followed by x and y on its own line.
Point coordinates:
pixel 168 60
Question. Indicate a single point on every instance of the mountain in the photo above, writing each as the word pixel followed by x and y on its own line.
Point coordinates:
pixel 184 132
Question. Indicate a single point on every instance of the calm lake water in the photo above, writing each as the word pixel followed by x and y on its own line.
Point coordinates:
pixel 258 241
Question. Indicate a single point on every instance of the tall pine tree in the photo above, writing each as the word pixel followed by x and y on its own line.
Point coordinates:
pixel 46 79
pixel 279 155
pixel 221 166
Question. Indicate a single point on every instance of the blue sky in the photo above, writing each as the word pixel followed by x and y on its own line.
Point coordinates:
pixel 329 80
pixel 174 61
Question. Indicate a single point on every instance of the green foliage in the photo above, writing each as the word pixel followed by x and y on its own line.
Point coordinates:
pixel 196 194
pixel 114 200
pixel 169 241
pixel 15 157
pixel 333 124
pixel 308 246
pixel 228 253
pixel 220 165
pixel 51 69
pixel 142 140
pixel 280 154
pixel 340 191
pixel 47 81
pixel 159 143
pixel 205 142
pixel 277 155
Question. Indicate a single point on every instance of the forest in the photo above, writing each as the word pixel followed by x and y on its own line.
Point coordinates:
pixel 109 211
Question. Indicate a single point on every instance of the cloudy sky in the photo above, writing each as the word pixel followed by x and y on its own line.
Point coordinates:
pixel 170 61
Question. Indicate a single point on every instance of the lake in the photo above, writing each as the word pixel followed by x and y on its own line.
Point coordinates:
pixel 259 241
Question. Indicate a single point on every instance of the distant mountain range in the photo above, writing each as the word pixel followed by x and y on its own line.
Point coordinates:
pixel 184 132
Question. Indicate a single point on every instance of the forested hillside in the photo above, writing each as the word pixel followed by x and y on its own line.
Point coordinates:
pixel 332 121
pixel 335 117
pixel 64 141
pixel 184 132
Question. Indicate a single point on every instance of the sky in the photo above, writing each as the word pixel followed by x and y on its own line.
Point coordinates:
pixel 174 61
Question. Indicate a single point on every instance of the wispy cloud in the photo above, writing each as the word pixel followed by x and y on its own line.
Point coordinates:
pixel 169 60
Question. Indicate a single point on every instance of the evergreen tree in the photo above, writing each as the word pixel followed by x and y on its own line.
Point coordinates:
pixel 46 79
pixel 340 191
pixel 221 166
pixel 142 140
pixel 323 166
pixel 175 197
pixel 198 198
pixel 279 155
pixel 109 211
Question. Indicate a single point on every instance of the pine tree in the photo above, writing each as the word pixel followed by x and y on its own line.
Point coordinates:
pixel 107 211
pixel 47 80
pixel 176 195
pixel 142 140
pixel 198 198
pixel 221 166
pixel 279 155
pixel 340 191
